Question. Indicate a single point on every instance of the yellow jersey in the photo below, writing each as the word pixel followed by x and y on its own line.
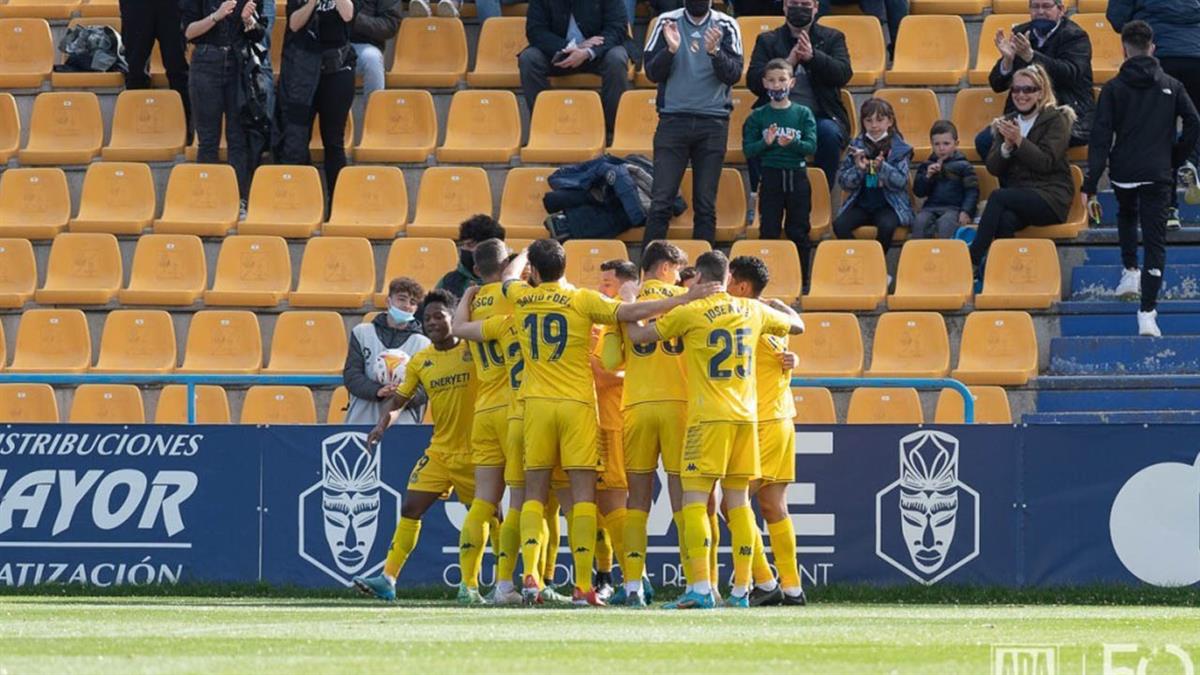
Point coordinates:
pixel 449 380
pixel 719 335
pixel 498 327
pixel 554 326
pixel 774 383
pixel 489 355
pixel 608 396
pixel 654 372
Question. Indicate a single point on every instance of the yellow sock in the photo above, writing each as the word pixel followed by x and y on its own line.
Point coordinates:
pixel 762 569
pixel 543 553
pixel 615 522
pixel 604 548
pixel 403 543
pixel 741 528
pixel 681 534
pixel 510 545
pixel 583 551
pixel 472 540
pixel 636 541
pixel 699 539
pixel 783 544
pixel 553 539
pixel 532 525
pixel 714 566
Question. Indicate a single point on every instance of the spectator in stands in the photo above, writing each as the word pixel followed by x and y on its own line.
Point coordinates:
pixel 694 101
pixel 1140 110
pixel 375 22
pixel 379 352
pixel 1029 156
pixel 1062 50
pixel 948 184
pixel 470 232
pixel 889 13
pixel 219 29
pixel 568 37
pixel 143 22
pixel 874 175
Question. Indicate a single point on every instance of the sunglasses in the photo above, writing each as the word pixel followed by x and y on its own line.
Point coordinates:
pixel 1023 89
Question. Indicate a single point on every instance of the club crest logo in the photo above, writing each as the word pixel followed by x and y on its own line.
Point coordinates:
pixel 927 521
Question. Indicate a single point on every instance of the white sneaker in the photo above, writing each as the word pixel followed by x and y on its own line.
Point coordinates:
pixel 1148 324
pixel 447 8
pixel 1190 182
pixel 419 8
pixel 1131 283
pixel 509 597
pixel 1173 223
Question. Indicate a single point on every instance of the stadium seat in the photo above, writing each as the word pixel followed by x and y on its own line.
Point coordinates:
pixel 864 40
pixel 107 404
pixel 916 111
pixel 640 79
pixel 306 343
pixel 339 401
pixel 44 9
pixel 566 126
pixel 820 216
pixel 933 274
pixel 64 128
pixel 252 271
pixel 998 347
pixel 430 52
pixel 335 272
pixel 18 274
pixel 137 341
pixel 23 403
pixel 3 348
pixel 786 282
pixel 692 248
pixel 851 111
pixel 751 27
pixel 521 209
pixel 830 346
pixel 316 145
pixel 201 199
pixel 117 198
pixel 279 405
pixel 731 207
pixel 26 53
pixel 425 259
pixel 84 269
pixel 501 39
pixel 986 53
pixel 447 196
pixel 1093 6
pixel 921 60
pixel 101 8
pixel 584 257
pixel 369 201
pixel 637 119
pixel 1107 52
pixel 10 127
pixel 168 269
pixel 847 275
pixel 743 102
pixel 1019 6
pixel 1021 274
pixel 148 126
pixel 223 341
pixel 965 7
pixel 991 406
pixel 910 344
pixel 884 406
pixel 34 203
pixel 398 126
pixel 1076 217
pixel 52 341
pixel 212 406
pixel 483 126
pixel 987 184
pixel 285 201
pixel 814 405
pixel 974 109
pixel 278 35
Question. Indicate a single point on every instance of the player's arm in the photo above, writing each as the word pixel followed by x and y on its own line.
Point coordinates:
pixel 639 311
pixel 396 404
pixel 641 335
pixel 612 351
pixel 782 318
pixel 512 271
pixel 462 326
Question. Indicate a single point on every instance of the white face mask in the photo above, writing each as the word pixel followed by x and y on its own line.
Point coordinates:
pixel 875 139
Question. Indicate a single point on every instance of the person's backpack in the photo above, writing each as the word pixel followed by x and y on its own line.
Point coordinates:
pixel 92 49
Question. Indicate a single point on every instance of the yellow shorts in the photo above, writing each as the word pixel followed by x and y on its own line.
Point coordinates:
pixel 561 433
pixel 652 429
pixel 514 448
pixel 777 450
pixel 718 450
pixel 489 435
pixel 612 462
pixel 434 473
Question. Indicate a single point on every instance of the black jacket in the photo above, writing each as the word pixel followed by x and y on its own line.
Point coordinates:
pixel 1067 58
pixel 227 33
pixel 375 22
pixel 956 184
pixel 1139 107
pixel 546 24
pixel 829 68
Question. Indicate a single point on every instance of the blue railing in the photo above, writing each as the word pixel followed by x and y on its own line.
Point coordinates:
pixel 879 382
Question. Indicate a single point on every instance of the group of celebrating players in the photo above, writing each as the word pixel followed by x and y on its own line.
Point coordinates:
pixel 524 380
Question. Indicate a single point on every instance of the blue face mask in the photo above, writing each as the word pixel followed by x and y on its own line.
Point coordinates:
pixel 778 94
pixel 1042 26
pixel 399 316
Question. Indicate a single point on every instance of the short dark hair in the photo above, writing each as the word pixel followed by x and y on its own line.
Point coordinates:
pixel 489 256
pixel 406 285
pixel 1138 36
pixel 480 227
pixel 752 269
pixel 439 295
pixel 548 259
pixel 779 64
pixel 943 127
pixel 712 266
pixel 623 269
pixel 660 251
pixel 688 273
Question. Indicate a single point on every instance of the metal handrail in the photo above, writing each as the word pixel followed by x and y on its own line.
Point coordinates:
pixel 879 382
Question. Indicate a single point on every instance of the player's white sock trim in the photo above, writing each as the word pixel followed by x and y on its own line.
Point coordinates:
pixel 702 587
pixel 768 586
pixel 390 579
pixel 504 586
pixel 740 591
pixel 633 586
pixel 792 591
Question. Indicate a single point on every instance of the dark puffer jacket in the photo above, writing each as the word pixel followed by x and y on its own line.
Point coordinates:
pixel 1176 23
pixel 375 22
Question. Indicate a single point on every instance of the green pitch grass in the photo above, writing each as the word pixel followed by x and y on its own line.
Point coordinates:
pixel 64 636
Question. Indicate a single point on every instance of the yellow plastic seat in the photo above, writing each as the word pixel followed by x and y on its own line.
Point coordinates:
pixel 1107 52
pixel 18 273
pixel 933 274
pixel 964 7
pixel 430 52
pixel 308 343
pixel 786 282
pixel 640 79
pixel 84 269
pixel 1020 6
pixel 743 102
pixel 168 269
pixel 101 8
pixel 501 39
pixel 117 198
pixel 910 344
pixel 34 203
pixel 335 272
pixel 584 257
pixel 43 9
pixel 26 53
pixel 637 119
pixel 974 109
pixel 369 201
pixel 398 126
pixel 483 126
pixel 998 347
pixel 916 111
pixel 447 196
pixel 24 403
pixel 864 40
pixel 991 406
pixel 830 346
pixel 279 405
pixel 1076 217
pixel 223 341
pixel 930 50
pixel 521 209
pixel 10 127
pixel 285 201
pixel 566 126
pixel 986 53
pixel 731 207
pixel 212 406
pixel 137 341
pixel 987 184
pixel 316 145
pixel 148 126
pixel 751 27
pixel 692 248
pixel 252 271
pixel 201 199
pixel 814 405
pixel 847 275
pixel 851 110
pixel 820 215
pixel 1021 274
pixel 1093 6
pixel 425 259
pixel 65 128
pixel 107 404
pixel 869 405
pixel 339 401
pixel 52 341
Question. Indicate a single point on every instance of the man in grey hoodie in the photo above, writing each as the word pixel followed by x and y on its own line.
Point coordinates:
pixel 365 377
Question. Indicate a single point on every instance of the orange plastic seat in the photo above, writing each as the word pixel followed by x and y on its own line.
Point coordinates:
pixel 521 209
pixel 1076 217
pixel 910 344
pixel 285 201
pixel 964 7
pixel 870 405
pixel 24 403
pixel 101 8
pixel 369 201
pixel 987 184
pixel 864 40
pixel 986 53
pixel 278 405
pixel 566 126
pixel 830 346
pixel 26 53
pixel 974 109
pixel 430 52
pixel 201 199
pixel 731 207
pixel 820 215
pixel 52 341
pixel 117 198
pixel 107 404
pixel 252 271
pixel 584 257
pixel 501 39
pixel 751 27
pixel 316 145
pixel 339 401
pixel 483 126
pixel 1021 274
pixel 84 269
pixel 212 406
pixel 398 126
pixel 137 341
pixel 223 341
pixel 997 347
pixel 1093 6
pixel 786 281
pixel 43 9
pixel 65 128
pixel 743 102
pixel 447 196
pixel 916 111
pixel 425 259
pixel 851 110
pixel 922 59
pixel 933 274
pixel 1107 52
pixel 1019 6
pixel 308 343
pixel 637 119
pixel 692 248
pixel 335 272
pixel 18 274
pixel 847 275
pixel 34 203
pixel 814 405
pixel 10 127
pixel 991 406
pixel 148 126
pixel 168 269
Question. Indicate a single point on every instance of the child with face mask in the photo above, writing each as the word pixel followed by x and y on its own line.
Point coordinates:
pixel 874 177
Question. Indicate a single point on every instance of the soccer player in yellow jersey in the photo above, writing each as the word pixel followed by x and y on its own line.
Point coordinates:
pixel 776 447
pixel 445 371
pixel 719 335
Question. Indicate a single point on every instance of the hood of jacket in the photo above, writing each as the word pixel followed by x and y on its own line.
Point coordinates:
pixel 1140 72
pixel 394 337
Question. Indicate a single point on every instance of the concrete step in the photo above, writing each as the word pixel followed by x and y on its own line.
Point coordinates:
pixel 1116 417
pixel 1125 324
pixel 1099 282
pixel 1100 400
pixel 1111 255
pixel 1124 355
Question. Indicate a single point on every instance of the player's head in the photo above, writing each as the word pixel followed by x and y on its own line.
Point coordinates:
pixel 614 273
pixel 713 266
pixel 404 297
pixel 748 276
pixel 489 257
pixel 437 313
pixel 1138 39
pixel 524 270
pixel 662 260
pixel 688 276
pixel 548 260
pixel 477 228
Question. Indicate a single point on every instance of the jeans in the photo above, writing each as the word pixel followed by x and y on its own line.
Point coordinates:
pixel 214 90
pixel 335 95
pixel 889 12
pixel 885 221
pixel 1145 205
pixel 1009 210
pixel 370 66
pixel 678 140
pixel 785 203
pixel 612 67
pixel 143 22
pixel 936 222
pixel 830 139
pixel 486 9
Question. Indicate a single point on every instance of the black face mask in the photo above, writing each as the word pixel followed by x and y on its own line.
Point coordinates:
pixel 799 17
pixel 697 9
pixel 467 260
